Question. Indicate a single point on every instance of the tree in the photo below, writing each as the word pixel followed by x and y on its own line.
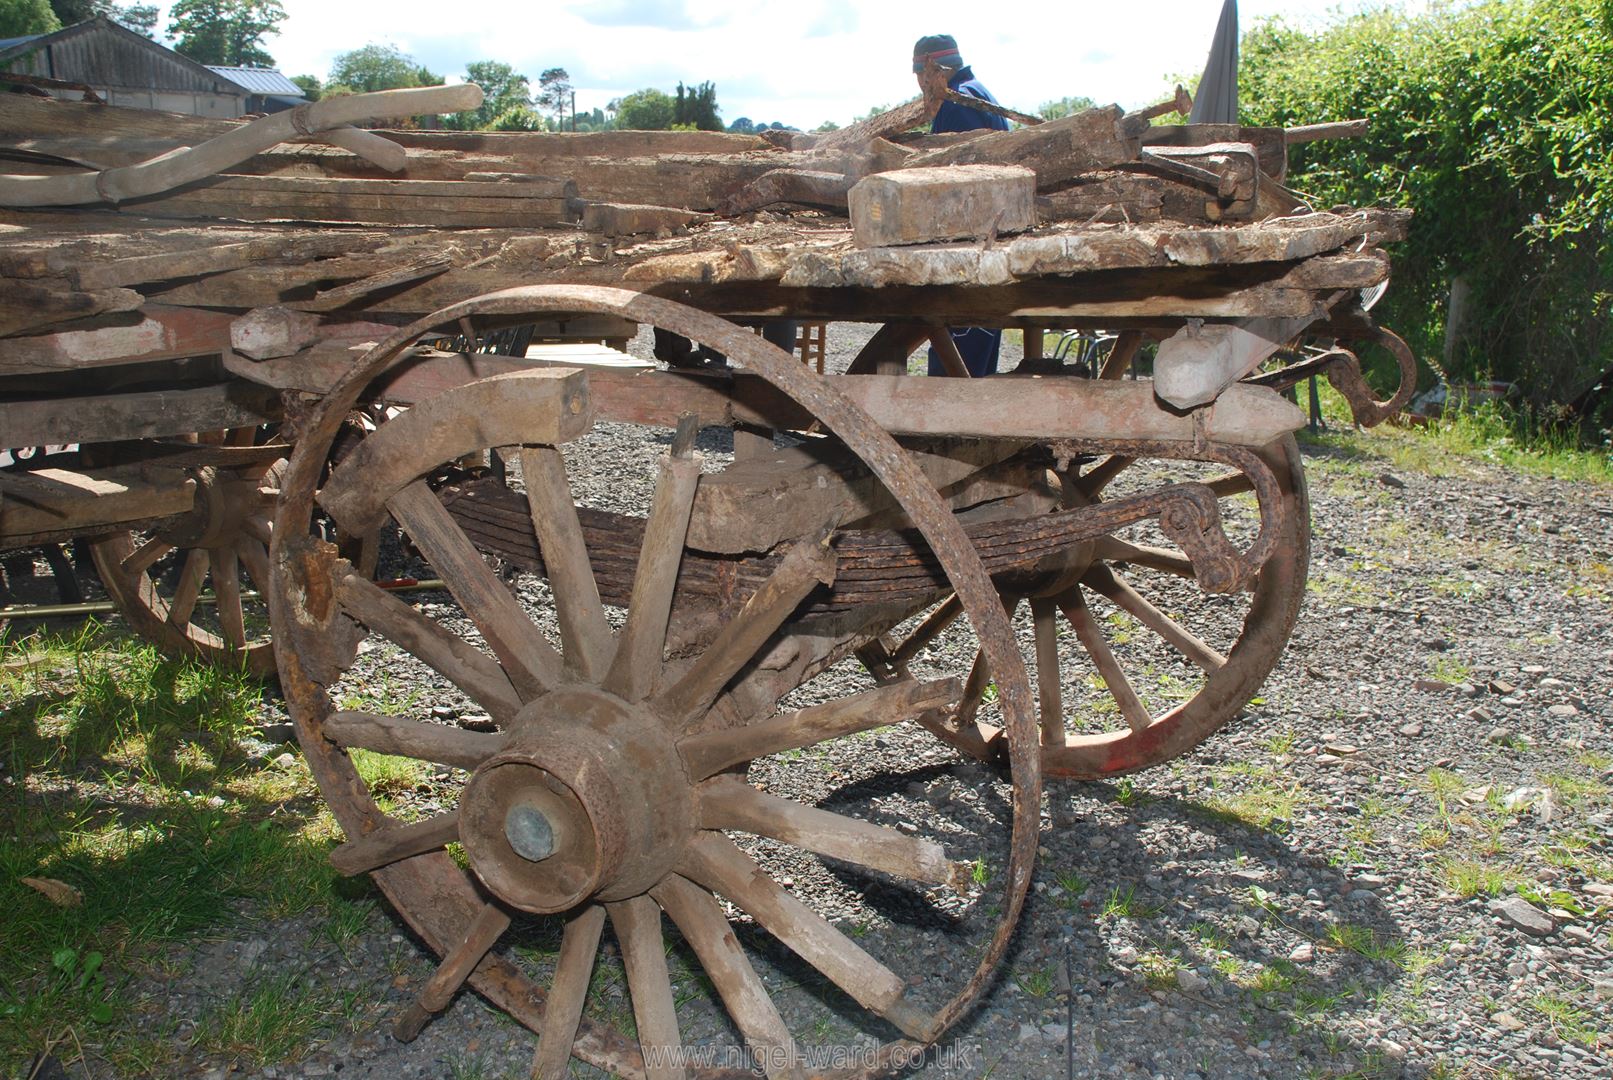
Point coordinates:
pixel 696 108
pixel 311 87
pixel 141 18
pixel 554 93
pixel 644 110
pixel 826 127
pixel 504 90
pixel 1069 106
pixel 225 32
pixel 1490 122
pixel 18 18
pixel 378 67
pixel 742 126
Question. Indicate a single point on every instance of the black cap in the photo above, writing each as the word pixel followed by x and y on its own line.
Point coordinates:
pixel 936 48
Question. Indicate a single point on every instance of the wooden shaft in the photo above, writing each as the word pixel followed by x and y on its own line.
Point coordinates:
pixel 638 930
pixel 706 929
pixel 227 590
pixel 189 588
pixel 1044 618
pixel 710 753
pixel 391 843
pixel 642 643
pixel 1121 354
pixel 1120 593
pixel 483 933
pixel 1074 606
pixel 530 661
pixel 1341 129
pixel 583 629
pixel 458 661
pixel 381 152
pixel 412 739
pixel 712 860
pixel 947 349
pixel 931 628
pixel 573 969
pixel 727 802
pixel 808 564
pixel 1113 549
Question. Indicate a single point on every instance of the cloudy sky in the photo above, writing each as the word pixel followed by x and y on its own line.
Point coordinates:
pixel 800 62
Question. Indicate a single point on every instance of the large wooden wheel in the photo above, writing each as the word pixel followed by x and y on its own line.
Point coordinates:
pixel 1135 664
pixel 607 792
pixel 195 586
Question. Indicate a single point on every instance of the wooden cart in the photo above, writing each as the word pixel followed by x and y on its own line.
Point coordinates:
pixel 246 392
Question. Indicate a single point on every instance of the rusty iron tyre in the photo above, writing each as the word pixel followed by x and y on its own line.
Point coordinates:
pixel 195 587
pixel 1115 608
pixel 604 792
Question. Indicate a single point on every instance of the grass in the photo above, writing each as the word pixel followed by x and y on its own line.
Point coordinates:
pixel 135 792
pixel 276 1018
pixel 1490 434
pixel 1124 904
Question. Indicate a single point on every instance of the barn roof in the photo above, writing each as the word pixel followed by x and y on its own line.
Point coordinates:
pixel 259 80
pixel 100 52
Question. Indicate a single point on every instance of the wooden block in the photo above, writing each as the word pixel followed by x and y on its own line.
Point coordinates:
pixel 628 219
pixel 917 206
pixel 263 333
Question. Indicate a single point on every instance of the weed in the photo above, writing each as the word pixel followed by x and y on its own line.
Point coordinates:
pixel 1450 669
pixel 268 1022
pixel 1036 983
pixel 1123 903
pixel 1364 942
pixel 1468 879
pixel 979 872
pixel 1073 884
pixel 1281 743
pixel 1568 1021
pixel 1126 793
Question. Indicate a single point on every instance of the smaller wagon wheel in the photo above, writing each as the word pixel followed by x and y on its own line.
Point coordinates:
pixel 604 793
pixel 1135 664
pixel 195 587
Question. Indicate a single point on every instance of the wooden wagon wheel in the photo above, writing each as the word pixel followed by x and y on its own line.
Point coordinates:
pixel 1125 678
pixel 604 792
pixel 195 586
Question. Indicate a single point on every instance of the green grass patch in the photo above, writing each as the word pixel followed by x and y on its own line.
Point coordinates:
pixel 132 789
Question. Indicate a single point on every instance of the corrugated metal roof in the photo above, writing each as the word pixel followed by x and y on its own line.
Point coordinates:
pixel 258 80
pixel 7 43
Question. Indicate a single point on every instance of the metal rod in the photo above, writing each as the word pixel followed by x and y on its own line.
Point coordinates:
pixel 106 607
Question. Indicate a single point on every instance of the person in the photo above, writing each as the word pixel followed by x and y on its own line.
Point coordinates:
pixel 939 66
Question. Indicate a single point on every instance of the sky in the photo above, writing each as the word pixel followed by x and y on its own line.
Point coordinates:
pixel 799 62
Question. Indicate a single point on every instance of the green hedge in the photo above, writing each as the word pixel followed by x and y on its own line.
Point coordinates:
pixel 1494 122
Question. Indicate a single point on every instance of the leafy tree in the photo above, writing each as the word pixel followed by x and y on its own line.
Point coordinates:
pixel 1490 121
pixel 311 87
pixel 225 31
pixel 504 90
pixel 378 67
pixel 644 110
pixel 141 18
pixel 19 18
pixel 517 118
pixel 696 109
pixel 1068 106
pixel 825 127
pixel 554 93
pixel 742 126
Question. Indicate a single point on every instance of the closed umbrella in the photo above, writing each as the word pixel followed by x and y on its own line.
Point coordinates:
pixel 1217 99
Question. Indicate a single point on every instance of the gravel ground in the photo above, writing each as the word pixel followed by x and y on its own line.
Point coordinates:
pixel 1397 862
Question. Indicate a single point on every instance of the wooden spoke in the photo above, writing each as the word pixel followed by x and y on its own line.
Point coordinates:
pixel 710 753
pixel 638 930
pixel 808 564
pixel 1093 481
pixel 258 526
pixel 1231 484
pixel 1113 549
pixel 583 629
pixel 484 932
pixel 1121 354
pixel 145 556
pixel 457 660
pixel 255 558
pixel 727 802
pixel 568 993
pixel 227 590
pixel 412 739
pixel 530 661
pixel 947 351
pixel 1044 619
pixel 392 843
pixel 974 691
pixel 191 576
pixel 642 644
pixel 712 860
pixel 1074 605
pixel 927 631
pixel 706 930
pixel 1119 592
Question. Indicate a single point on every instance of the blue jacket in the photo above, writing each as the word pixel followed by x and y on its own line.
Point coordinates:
pixel 954 117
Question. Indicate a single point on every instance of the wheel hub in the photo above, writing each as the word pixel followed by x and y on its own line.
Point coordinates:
pixel 588 799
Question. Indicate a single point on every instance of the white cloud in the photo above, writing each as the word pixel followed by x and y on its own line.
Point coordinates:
pixel 797 61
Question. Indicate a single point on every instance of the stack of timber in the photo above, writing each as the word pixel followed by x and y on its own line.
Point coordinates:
pixel 1114 223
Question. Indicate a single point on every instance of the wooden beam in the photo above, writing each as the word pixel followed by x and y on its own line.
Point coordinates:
pixel 154 414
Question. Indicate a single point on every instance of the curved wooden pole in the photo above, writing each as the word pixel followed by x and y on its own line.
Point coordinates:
pixel 186 166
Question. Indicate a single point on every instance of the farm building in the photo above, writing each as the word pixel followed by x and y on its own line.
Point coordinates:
pixel 125 68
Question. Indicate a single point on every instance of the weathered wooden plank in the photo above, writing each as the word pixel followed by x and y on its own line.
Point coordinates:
pixel 52 500
pixel 28 306
pixel 193 262
pixel 112 417
pixel 1056 151
pixel 163 333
